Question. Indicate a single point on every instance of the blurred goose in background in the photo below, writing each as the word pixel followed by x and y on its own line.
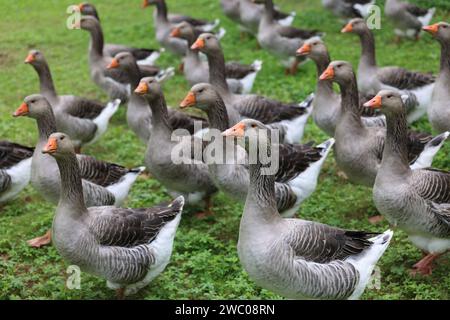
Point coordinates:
pixel 416 201
pixel 85 120
pixel 298 259
pixel 371 78
pixel 439 109
pixel 358 148
pixel 349 8
pixel 299 165
pixel 407 18
pixel 139 115
pixel 142 55
pixel 15 169
pixel 128 247
pixel 289 118
pixel 104 183
pixel 164 23
pixel 327 104
pixel 108 81
pixel 240 77
pixel 251 13
pixel 281 41
pixel 186 174
pixel 231 8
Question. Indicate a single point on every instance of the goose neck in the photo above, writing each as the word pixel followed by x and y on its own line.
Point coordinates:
pixel 217 72
pixel 46 123
pixel 97 42
pixel 160 116
pixel 218 116
pixel 47 86
pixel 350 102
pixel 161 10
pixel 324 87
pixel 445 59
pixel 368 57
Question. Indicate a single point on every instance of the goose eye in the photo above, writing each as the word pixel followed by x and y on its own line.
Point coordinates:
pixel 62 138
pixel 253 125
pixel 201 90
pixel 389 96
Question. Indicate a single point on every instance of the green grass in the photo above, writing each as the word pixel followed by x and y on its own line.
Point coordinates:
pixel 204 263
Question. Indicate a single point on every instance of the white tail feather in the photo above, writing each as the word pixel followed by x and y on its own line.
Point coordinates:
pixel 103 118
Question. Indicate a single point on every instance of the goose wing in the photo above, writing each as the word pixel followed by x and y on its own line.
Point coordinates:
pixel 12 153
pixel 403 79
pixel 181 120
pixel 236 70
pixel 83 108
pixel 296 33
pixel 416 144
pixel 100 172
pixel 415 10
pixel 5 181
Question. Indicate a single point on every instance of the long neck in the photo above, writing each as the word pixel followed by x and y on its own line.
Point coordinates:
pixel 193 54
pixel 269 10
pixel 160 116
pixel 326 86
pixel 134 75
pixel 395 154
pixel 218 116
pixel 350 101
pixel 71 196
pixel 217 74
pixel 445 59
pixel 97 41
pixel 45 79
pixel 161 10
pixel 46 123
pixel 368 48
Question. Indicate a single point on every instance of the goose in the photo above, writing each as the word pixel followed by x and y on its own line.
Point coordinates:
pixel 289 118
pixel 407 18
pixel 250 14
pixel 327 104
pixel 143 56
pixel 439 109
pixel 231 8
pixel 83 119
pixel 298 259
pixel 164 24
pixel 359 149
pixel 127 247
pixel 179 164
pixel 299 165
pixel 240 77
pixel 15 169
pixel 280 41
pixel 108 81
pixel 371 78
pixel 416 201
pixel 104 183
pixel 138 112
pixel 349 8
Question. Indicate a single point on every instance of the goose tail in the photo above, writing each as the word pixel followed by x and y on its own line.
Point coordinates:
pixel 286 22
pixel 211 26
pixel 102 120
pixel 221 33
pixel 364 9
pixel 432 147
pixel 165 74
pixel 151 59
pixel 425 20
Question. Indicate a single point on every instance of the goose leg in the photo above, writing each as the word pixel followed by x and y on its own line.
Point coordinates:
pixel 376 219
pixel 41 241
pixel 181 67
pixel 208 211
pixel 425 265
pixel 294 67
pixel 120 293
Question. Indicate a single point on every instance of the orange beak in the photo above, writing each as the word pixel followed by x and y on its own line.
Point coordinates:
pixel 80 6
pixel 433 29
pixel 328 74
pixel 348 28
pixel 144 4
pixel 113 65
pixel 237 131
pixel 141 89
pixel 188 101
pixel 51 146
pixel 30 58
pixel 375 103
pixel 22 110
pixel 199 44
pixel 175 32
pixel 304 50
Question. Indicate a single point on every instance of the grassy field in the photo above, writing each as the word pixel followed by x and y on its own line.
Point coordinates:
pixel 204 263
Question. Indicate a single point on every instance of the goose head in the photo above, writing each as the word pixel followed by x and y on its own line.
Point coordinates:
pixel 122 61
pixel 207 43
pixel 88 23
pixel 388 101
pixel 147 3
pixel 250 134
pixel 59 145
pixel 35 58
pixel 314 49
pixel 357 26
pixel 33 106
pixel 202 96
pixel 440 30
pixel 88 9
pixel 339 71
pixel 149 88
pixel 183 30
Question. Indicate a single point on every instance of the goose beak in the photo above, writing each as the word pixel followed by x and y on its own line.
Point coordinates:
pixel 30 58
pixel 304 50
pixel 432 29
pixel 328 74
pixel 23 110
pixel 141 89
pixel 348 28
pixel 175 33
pixel 199 44
pixel 375 103
pixel 80 6
pixel 188 101
pixel 237 131
pixel 51 146
pixel 114 64
pixel 145 4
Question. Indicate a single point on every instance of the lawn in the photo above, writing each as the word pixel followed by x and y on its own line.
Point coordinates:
pixel 204 263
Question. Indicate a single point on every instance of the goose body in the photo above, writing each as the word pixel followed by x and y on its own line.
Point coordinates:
pixel 371 78
pixel 349 8
pixel 407 17
pixel 15 169
pixel 295 258
pixel 416 201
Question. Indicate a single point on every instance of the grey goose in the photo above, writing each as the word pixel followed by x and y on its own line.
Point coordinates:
pixel 349 8
pixel 298 259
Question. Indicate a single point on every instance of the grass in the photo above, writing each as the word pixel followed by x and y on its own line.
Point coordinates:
pixel 204 263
